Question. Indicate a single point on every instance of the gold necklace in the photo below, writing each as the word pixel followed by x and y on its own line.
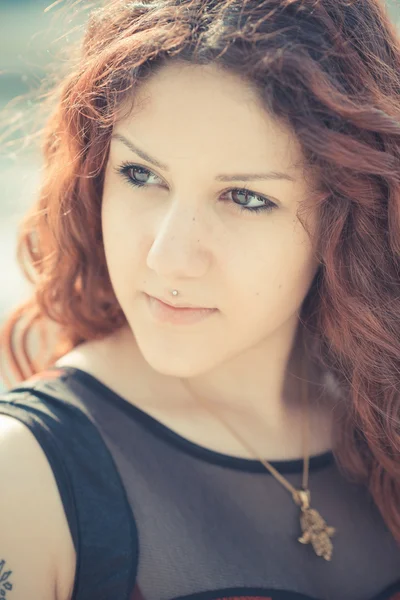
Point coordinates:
pixel 314 529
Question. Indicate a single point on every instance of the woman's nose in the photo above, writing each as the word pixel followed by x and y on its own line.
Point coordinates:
pixel 179 248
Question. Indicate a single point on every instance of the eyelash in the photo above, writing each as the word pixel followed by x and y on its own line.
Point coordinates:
pixel 125 167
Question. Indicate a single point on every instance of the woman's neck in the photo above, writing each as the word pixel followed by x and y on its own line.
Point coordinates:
pixel 265 410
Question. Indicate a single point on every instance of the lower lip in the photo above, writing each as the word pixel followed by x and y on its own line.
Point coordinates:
pixel 178 316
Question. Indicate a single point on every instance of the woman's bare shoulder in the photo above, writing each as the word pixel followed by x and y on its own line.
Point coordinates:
pixel 36 548
pixel 116 361
pixel 93 356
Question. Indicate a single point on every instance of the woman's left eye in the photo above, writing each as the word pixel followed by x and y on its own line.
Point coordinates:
pixel 245 200
pixel 250 201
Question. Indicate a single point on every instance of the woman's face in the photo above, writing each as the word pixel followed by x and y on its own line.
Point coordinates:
pixel 201 192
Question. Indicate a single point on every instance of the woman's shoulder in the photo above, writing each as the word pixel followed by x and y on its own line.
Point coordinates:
pixel 37 551
pixel 103 360
pixel 64 448
pixel 93 355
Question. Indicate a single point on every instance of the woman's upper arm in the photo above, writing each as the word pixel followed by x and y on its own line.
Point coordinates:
pixel 37 556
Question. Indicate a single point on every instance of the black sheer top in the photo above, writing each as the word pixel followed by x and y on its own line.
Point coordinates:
pixel 155 516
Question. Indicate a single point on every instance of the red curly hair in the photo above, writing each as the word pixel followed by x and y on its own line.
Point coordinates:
pixel 330 69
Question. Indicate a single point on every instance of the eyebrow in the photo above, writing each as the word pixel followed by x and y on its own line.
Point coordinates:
pixel 222 177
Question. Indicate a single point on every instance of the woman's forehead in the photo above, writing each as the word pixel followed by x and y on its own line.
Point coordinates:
pixel 192 111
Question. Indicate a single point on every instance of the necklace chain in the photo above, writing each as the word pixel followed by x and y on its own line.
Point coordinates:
pixel 305 426
pixel 315 531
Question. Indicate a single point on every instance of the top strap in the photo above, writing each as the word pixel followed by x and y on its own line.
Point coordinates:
pixel 102 526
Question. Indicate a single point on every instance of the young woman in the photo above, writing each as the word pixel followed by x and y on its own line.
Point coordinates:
pixel 217 243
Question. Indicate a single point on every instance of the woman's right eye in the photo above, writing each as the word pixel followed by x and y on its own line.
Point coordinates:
pixel 138 176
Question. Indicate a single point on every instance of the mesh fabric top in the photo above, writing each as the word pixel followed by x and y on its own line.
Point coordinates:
pixel 205 525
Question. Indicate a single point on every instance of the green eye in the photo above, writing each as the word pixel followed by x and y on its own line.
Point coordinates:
pixel 249 201
pixel 242 198
pixel 136 175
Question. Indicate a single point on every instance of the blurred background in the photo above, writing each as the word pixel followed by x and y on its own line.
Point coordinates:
pixel 33 33
pixel 32 41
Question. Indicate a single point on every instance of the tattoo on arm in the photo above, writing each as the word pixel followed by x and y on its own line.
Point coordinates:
pixel 5 582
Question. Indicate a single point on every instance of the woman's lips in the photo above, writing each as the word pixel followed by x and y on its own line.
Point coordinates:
pixel 178 316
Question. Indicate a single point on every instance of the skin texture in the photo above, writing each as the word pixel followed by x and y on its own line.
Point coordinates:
pixel 36 543
pixel 184 230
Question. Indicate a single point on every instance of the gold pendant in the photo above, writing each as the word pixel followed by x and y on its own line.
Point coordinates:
pixel 315 530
